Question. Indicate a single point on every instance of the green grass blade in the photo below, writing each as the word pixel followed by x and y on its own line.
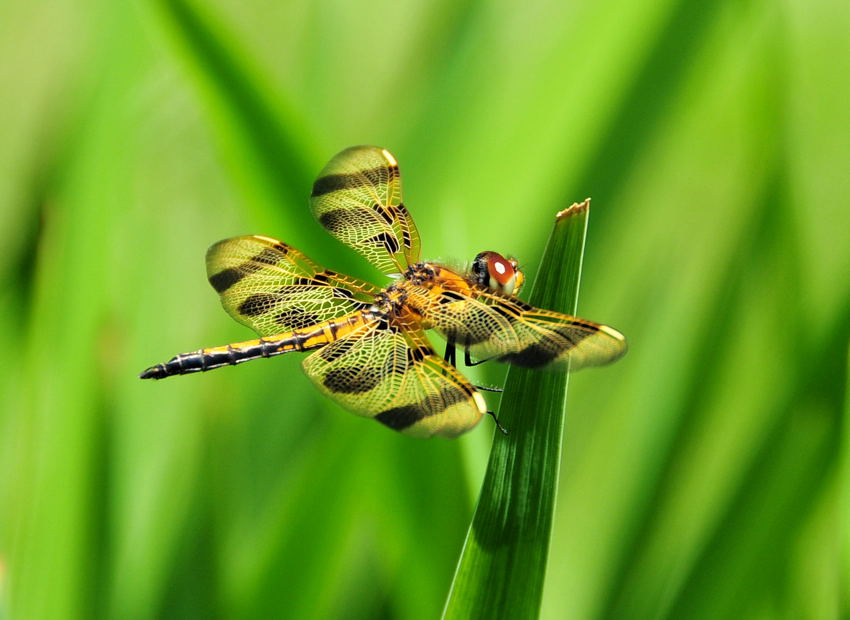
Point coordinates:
pixel 844 509
pixel 502 566
pixel 269 144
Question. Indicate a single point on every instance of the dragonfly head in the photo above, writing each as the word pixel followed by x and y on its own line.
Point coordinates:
pixel 496 272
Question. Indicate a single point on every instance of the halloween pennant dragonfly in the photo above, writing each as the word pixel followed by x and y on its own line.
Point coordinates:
pixel 370 352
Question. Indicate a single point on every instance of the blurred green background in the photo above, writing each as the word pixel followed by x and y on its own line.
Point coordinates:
pixel 703 475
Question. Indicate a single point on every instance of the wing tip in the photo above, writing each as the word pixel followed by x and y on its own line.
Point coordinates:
pixel 621 340
pixel 266 239
pixel 389 157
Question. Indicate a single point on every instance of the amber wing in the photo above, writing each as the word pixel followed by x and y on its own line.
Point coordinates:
pixel 273 288
pixel 503 328
pixel 394 376
pixel 357 198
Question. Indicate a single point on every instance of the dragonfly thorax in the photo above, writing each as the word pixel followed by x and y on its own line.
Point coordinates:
pixel 420 273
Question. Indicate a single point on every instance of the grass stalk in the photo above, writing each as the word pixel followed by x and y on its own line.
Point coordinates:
pixel 502 567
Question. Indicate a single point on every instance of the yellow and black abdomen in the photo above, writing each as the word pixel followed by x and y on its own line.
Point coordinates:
pixel 232 354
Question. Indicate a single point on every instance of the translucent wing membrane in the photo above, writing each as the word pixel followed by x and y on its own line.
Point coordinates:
pixel 357 198
pixel 394 376
pixel 273 288
pixel 501 327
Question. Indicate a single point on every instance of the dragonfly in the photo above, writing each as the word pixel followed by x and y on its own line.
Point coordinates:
pixel 368 344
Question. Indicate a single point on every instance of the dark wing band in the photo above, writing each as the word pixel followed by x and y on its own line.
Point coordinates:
pixel 501 327
pixel 394 376
pixel 357 198
pixel 273 288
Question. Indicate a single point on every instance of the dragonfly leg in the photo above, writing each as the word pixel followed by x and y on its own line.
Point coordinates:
pixel 451 353
pixel 451 357
pixel 498 424
pixel 467 359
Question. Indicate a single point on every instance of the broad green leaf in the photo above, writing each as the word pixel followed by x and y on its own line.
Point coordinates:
pixel 268 143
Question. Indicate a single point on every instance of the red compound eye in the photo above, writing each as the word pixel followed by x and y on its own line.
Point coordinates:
pixel 499 268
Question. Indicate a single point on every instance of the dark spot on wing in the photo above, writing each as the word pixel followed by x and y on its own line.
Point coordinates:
pixel 384 212
pixel 448 297
pixel 257 304
pixel 296 318
pixel 533 356
pixel 418 354
pixel 546 351
pixel 505 312
pixel 226 278
pixel 289 290
pixel 269 256
pixel 363 178
pixel 385 239
pixel 399 418
pixel 223 280
pixel 336 219
pixel 352 380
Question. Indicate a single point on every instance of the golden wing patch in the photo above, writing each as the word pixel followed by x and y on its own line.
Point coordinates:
pixel 358 199
pixel 272 287
pixel 394 376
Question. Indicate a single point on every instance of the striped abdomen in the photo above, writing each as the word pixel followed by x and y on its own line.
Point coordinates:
pixel 314 337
